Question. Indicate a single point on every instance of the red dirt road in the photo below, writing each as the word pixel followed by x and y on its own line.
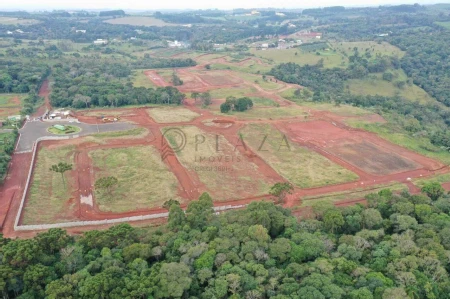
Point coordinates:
pixel 44 92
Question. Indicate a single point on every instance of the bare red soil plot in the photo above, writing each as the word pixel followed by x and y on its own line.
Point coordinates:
pixel 12 189
pixel 372 159
pixel 156 78
pixel 219 78
pixel 190 82
pixel 359 148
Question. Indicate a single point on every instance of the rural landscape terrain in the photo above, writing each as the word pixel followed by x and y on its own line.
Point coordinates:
pixel 226 154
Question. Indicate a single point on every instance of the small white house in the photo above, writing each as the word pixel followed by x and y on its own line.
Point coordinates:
pixel 80 31
pixel 100 42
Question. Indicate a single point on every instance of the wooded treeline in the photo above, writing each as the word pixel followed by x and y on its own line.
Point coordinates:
pixel 86 84
pixel 396 247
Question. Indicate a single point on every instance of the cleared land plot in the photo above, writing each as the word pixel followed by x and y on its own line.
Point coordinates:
pixel 376 158
pixel 49 200
pixel 342 197
pixel 330 59
pixel 374 48
pixel 372 159
pixel 139 21
pixel 218 78
pixel 226 173
pixel 258 79
pixel 300 166
pixel 392 133
pixel 235 91
pixel 144 180
pixel 446 25
pixel 10 104
pixel 141 80
pixel 381 87
pixel 264 102
pixel 269 113
pixel 172 115
pixel 17 21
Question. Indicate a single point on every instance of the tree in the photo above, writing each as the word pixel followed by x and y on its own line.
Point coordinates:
pixel 174 280
pixel 106 183
pixel 176 80
pixel 333 220
pixel 281 190
pixel 205 98
pixel 225 107
pixel 169 203
pixel 177 218
pixel 200 212
pixel 434 190
pixel 61 168
pixel 371 218
pixel 195 96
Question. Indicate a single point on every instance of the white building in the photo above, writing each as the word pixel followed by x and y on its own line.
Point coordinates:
pixel 100 42
pixel 80 31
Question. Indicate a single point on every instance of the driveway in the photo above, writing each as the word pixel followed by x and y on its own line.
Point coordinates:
pixel 32 130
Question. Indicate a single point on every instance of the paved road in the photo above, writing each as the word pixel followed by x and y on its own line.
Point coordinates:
pixel 36 129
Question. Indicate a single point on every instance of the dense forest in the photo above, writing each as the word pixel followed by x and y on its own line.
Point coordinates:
pixel 86 84
pixel 21 78
pixel 396 247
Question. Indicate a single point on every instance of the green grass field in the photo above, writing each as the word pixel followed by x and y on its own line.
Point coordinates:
pixel 269 113
pixel 67 130
pixel 258 79
pixel 144 180
pixel 6 100
pixel 446 25
pixel 300 166
pixel 252 68
pixel 374 48
pixel 139 79
pixel 442 178
pixel 330 59
pixel 378 86
pixel 263 102
pixel 222 93
pixel 353 195
pixel 49 199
